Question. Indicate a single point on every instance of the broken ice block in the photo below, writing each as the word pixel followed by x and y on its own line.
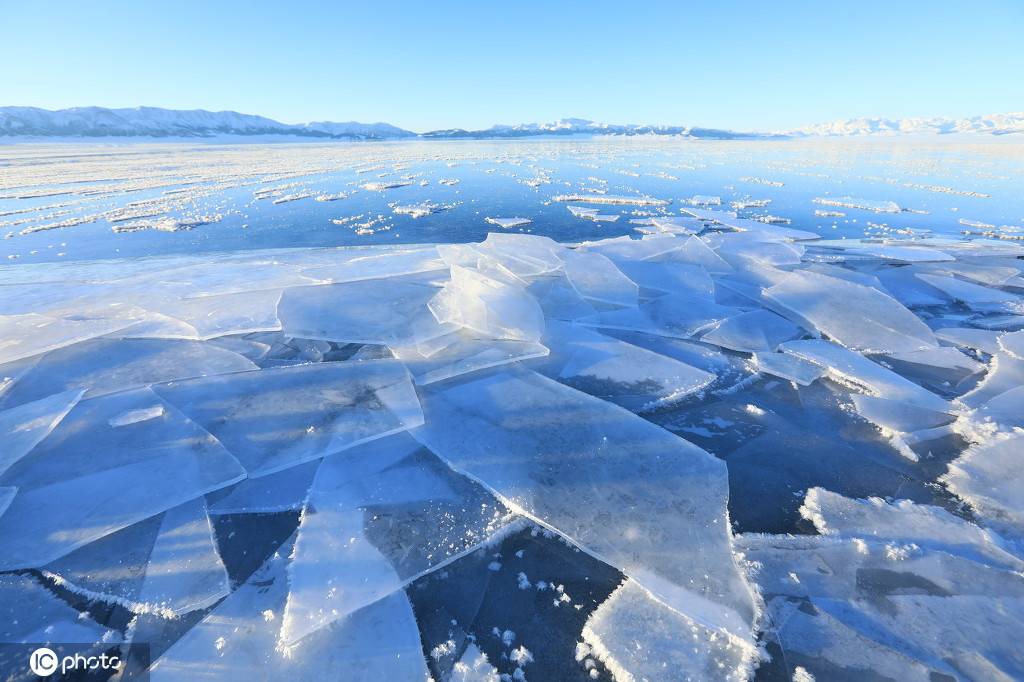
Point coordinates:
pixel 625 490
pixel 106 477
pixel 273 419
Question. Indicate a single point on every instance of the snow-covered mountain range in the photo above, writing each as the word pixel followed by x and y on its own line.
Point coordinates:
pixel 994 124
pixel 157 122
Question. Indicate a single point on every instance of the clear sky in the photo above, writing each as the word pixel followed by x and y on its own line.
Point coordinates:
pixel 751 65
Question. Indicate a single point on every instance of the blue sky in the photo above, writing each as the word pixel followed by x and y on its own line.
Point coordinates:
pixel 427 65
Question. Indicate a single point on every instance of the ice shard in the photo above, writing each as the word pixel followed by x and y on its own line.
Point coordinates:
pixel 107 477
pixel 23 427
pixel 632 494
pixel 273 419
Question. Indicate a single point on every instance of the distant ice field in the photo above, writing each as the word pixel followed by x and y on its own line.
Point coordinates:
pixel 86 200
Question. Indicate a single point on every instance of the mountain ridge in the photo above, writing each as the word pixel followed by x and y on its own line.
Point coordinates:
pixel 156 122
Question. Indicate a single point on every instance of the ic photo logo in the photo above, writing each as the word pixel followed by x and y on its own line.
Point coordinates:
pixel 45 662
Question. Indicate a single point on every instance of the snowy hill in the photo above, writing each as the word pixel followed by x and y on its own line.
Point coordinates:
pixel 994 124
pixel 579 126
pixel 157 122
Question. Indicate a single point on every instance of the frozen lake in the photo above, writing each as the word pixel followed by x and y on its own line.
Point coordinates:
pixel 573 409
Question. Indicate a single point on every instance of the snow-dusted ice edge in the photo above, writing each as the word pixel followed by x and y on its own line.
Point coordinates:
pixel 415 403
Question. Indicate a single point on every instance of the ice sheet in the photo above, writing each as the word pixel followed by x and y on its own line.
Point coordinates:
pixel 634 495
pixel 377 517
pixel 989 476
pixel 856 316
pixel 23 427
pixel 639 638
pixel 102 366
pixel 239 639
pixel 675 315
pixel 107 477
pixel 273 419
pixel 758 330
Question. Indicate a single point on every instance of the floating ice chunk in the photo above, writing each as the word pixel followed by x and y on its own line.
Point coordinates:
pixel 638 638
pixel 676 315
pixel 284 491
pixel 419 210
pixel 106 478
pixel 377 311
pixel 102 366
pixel 488 306
pixel 273 419
pixel 850 367
pixel 508 224
pixel 634 495
pixel 864 204
pixel 381 186
pixel 903 521
pixel 676 225
pixel 989 477
pixel 670 277
pixel 979 339
pixel 31 614
pixel 592 214
pixel 239 640
pixel 614 370
pixel 596 278
pixel 610 199
pixel 704 200
pixel 23 427
pixel 755 228
pixel 789 367
pixel 462 354
pixel 377 518
pixel 22 336
pixel 856 316
pixel 758 330
pixel 967 292
pixel 474 667
pixel 185 572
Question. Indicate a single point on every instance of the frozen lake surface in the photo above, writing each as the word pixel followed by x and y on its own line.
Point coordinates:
pixel 560 409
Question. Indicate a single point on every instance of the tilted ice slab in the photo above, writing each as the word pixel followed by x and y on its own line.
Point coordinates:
pixel 376 518
pixel 23 427
pixel 979 339
pixel 789 367
pixel 488 306
pixel 380 311
pixel 595 277
pixel 461 353
pixel 1005 372
pixel 670 277
pixel 635 496
pixel 351 265
pixel 638 638
pixel 675 315
pixel 989 477
pixel 167 565
pixel 967 292
pixel 1013 344
pixel 107 476
pixel 849 367
pixel 273 419
pixel 525 255
pixel 239 639
pixel 282 491
pixel 758 330
pixel 101 366
pixel 25 335
pixel 614 370
pixel 856 316
pixel 896 251
pixel 903 521
pixel 627 249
